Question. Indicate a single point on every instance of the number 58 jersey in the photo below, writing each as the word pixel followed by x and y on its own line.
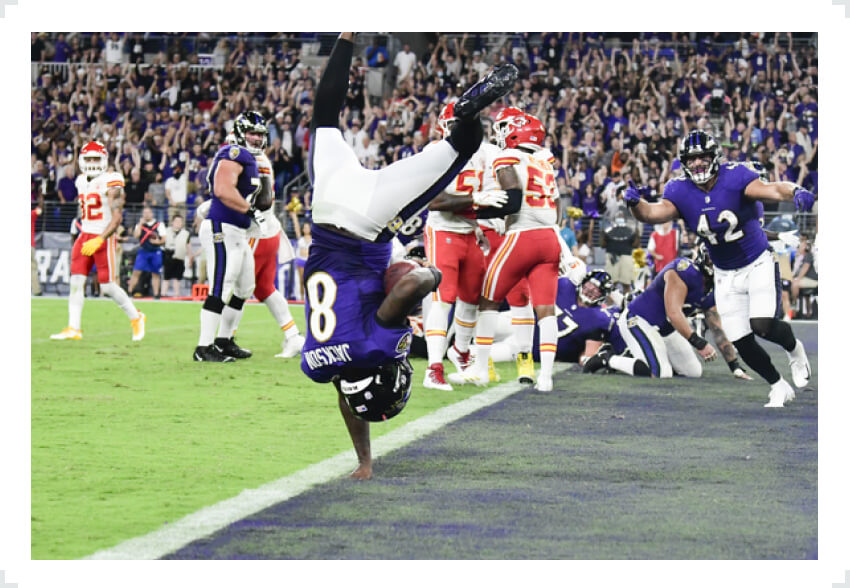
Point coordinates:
pixel 724 217
pixel 95 212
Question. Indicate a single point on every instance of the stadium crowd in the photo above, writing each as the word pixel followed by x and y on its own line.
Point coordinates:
pixel 614 105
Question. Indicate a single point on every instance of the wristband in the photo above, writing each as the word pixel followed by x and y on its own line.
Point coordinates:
pixel 438 276
pixel 696 341
pixel 733 365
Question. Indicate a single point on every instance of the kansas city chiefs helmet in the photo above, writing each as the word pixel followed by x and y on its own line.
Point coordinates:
pixel 93 159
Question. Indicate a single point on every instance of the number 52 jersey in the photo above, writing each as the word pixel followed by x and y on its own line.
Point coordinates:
pixel 724 217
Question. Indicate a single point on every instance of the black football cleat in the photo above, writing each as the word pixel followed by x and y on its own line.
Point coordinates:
pixel 599 359
pixel 486 91
pixel 229 348
pixel 210 353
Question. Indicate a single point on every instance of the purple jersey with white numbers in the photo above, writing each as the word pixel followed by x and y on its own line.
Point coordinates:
pixel 576 324
pixel 413 228
pixel 724 217
pixel 247 183
pixel 649 304
pixel 344 279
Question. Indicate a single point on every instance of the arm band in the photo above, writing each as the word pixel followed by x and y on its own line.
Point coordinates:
pixel 696 341
pixel 512 206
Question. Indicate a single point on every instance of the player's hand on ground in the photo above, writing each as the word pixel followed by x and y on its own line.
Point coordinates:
pixel 803 200
pixel 740 374
pixel 631 196
pixel 708 353
pixel 493 198
pixel 92 245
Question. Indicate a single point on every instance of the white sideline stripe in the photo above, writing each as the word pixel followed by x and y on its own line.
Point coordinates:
pixel 210 519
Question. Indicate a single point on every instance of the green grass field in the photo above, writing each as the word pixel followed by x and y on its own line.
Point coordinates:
pixel 127 436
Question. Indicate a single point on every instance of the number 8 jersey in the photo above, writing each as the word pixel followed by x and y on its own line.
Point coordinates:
pixel 724 217
pixel 95 212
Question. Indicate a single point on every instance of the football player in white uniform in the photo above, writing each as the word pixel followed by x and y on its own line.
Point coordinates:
pixel 455 244
pixel 101 197
pixel 531 249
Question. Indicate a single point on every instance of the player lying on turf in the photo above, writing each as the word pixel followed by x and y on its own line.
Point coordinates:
pixel 656 329
pixel 358 337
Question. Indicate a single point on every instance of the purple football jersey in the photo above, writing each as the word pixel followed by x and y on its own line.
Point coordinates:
pixel 649 304
pixel 344 278
pixel 247 183
pixel 724 217
pixel 576 324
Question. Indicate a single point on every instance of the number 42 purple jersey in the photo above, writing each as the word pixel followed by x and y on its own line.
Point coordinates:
pixel 724 217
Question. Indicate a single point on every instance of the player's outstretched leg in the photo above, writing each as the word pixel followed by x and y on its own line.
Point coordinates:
pixel 120 297
pixel 486 91
pixel 780 332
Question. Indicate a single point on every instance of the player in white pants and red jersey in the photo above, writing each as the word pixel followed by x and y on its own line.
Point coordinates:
pixel 101 197
pixel 531 248
pixel 268 251
pixel 453 244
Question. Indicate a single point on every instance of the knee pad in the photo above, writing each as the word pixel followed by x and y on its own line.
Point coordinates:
pixel 761 326
pixel 214 304
pixel 236 303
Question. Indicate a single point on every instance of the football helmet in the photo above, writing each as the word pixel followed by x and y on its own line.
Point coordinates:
pixel 504 119
pixel 447 116
pixel 526 131
pixel 378 395
pixel 698 144
pixel 595 287
pixel 93 159
pixel 702 260
pixel 250 122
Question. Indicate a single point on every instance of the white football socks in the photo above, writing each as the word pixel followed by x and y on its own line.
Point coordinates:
pixel 465 317
pixel 436 325
pixel 229 321
pixel 279 308
pixel 120 297
pixel 522 321
pixel 548 344
pixel 76 299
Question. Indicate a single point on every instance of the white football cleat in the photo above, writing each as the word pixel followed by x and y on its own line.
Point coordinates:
pixel 471 376
pixel 435 378
pixel 780 393
pixel 800 369
pixel 544 383
pixel 292 347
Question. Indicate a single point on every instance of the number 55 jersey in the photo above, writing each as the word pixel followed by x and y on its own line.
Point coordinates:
pixel 724 217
